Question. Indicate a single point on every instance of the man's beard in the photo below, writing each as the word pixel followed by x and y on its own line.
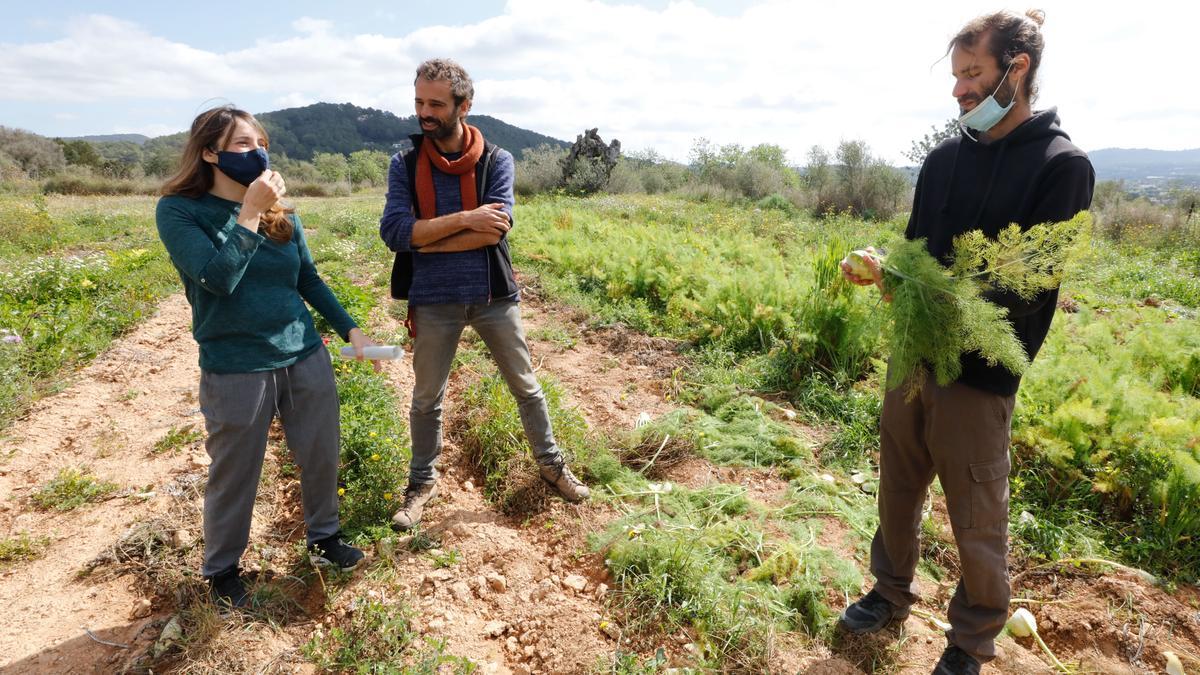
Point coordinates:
pixel 1005 92
pixel 443 130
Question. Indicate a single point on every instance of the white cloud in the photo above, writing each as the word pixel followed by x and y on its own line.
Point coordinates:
pixel 790 73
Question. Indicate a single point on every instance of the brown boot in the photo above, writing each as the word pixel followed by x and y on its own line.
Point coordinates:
pixel 415 499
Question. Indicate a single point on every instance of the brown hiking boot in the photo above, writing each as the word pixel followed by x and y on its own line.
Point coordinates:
pixel 415 499
pixel 561 479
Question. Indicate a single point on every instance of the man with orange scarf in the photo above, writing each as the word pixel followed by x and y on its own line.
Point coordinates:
pixel 449 206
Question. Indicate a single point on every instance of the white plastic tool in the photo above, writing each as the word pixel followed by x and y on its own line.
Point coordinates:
pixel 376 353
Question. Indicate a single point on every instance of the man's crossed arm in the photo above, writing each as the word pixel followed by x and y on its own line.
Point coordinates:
pixel 462 231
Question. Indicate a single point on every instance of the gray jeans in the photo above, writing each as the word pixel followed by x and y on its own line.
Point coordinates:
pixel 438 328
pixel 961 434
pixel 238 408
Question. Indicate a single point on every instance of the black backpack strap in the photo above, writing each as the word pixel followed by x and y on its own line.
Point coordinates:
pixel 482 169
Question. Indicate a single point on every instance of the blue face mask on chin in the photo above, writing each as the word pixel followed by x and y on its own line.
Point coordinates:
pixel 243 167
pixel 989 112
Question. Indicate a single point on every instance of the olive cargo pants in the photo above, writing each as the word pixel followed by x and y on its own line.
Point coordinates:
pixel 961 434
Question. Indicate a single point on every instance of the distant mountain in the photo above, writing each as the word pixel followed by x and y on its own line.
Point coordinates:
pixel 111 138
pixel 1137 164
pixel 345 128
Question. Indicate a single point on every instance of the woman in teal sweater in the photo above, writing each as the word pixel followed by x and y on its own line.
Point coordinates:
pixel 247 272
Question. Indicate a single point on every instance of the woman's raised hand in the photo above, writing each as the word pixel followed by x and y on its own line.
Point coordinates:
pixel 262 194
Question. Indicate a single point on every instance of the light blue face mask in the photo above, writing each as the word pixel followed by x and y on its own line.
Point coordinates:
pixel 989 113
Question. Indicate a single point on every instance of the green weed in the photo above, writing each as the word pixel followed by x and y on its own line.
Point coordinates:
pixel 21 547
pixel 178 437
pixel 375 450
pixel 70 489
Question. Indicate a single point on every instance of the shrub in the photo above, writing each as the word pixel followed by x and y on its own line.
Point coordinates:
pixel 539 170
pixel 83 181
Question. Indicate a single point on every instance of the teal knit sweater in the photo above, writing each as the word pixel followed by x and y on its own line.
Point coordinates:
pixel 247 293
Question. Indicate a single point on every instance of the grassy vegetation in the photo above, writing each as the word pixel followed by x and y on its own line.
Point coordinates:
pixel 1106 449
pixel 496 441
pixel 74 274
pixel 1106 420
pixel 379 637
pixel 71 488
pixel 21 547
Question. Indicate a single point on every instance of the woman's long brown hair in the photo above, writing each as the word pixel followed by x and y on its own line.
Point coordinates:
pixel 210 131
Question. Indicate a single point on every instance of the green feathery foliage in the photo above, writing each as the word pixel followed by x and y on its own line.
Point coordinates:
pixel 939 313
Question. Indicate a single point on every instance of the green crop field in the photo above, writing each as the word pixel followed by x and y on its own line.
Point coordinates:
pixel 1106 434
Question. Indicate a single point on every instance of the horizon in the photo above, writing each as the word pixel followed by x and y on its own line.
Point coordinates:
pixel 647 72
pixel 564 140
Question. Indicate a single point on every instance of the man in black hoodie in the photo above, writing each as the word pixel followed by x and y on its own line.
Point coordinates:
pixel 1009 165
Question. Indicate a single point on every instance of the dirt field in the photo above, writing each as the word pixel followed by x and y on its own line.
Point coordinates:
pixel 526 593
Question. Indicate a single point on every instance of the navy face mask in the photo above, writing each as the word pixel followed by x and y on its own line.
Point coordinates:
pixel 243 167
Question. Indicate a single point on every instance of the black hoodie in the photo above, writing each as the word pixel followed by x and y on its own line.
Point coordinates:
pixel 1032 175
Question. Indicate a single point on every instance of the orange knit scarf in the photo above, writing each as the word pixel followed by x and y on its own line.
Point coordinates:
pixel 463 167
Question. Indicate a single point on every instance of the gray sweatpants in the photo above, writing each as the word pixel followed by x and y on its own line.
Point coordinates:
pixel 438 328
pixel 962 434
pixel 238 408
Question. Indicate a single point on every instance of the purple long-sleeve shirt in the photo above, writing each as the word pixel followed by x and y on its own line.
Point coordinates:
pixel 439 278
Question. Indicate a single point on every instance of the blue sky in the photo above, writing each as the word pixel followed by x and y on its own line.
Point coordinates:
pixel 654 74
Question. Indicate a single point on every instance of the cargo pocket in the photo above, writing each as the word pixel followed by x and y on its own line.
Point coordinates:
pixel 989 492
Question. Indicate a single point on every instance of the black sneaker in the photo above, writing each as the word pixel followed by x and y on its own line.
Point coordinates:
pixel 333 552
pixel 955 661
pixel 228 590
pixel 871 614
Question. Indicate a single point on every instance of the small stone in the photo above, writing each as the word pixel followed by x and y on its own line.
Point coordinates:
pixel 541 591
pixel 201 460
pixel 511 644
pixel 469 486
pixel 527 638
pixel 495 629
pixel 575 582
pixel 690 648
pixel 141 609
pixel 601 591
pixel 479 585
pixel 460 591
pixel 437 624
pixel 611 629
pixel 529 651
pixel 181 539
pixel 171 634
pixel 497 582
pixel 441 575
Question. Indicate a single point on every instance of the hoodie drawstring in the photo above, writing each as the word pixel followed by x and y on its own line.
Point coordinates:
pixel 287 378
pixel 991 182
